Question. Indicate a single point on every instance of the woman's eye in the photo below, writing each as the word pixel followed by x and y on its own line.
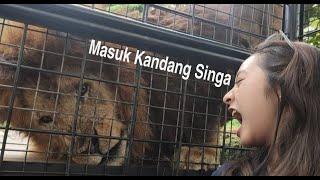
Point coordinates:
pixel 84 90
pixel 238 81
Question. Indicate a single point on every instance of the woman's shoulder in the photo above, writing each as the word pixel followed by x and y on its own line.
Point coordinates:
pixel 222 168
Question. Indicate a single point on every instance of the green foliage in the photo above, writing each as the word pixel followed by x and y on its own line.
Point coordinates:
pixel 312 18
pixel 230 137
pixel 233 123
pixel 130 7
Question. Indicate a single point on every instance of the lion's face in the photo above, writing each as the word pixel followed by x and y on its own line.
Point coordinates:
pixel 55 109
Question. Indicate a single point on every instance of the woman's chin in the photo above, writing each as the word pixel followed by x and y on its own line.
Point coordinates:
pixel 243 140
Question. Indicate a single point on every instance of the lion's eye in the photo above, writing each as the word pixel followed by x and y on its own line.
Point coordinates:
pixel 45 119
pixel 85 88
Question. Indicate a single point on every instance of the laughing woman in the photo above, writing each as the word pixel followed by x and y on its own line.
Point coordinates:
pixel 276 98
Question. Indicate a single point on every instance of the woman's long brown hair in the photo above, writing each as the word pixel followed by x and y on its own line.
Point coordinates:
pixel 296 144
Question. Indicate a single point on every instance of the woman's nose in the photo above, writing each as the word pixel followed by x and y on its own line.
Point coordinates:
pixel 228 97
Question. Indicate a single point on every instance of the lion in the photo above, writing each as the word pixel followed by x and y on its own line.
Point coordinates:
pixel 95 116
pixel 99 112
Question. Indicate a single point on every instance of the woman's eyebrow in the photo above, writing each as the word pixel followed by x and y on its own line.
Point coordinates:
pixel 240 71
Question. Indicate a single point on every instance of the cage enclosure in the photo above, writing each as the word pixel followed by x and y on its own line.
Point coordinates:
pixel 65 111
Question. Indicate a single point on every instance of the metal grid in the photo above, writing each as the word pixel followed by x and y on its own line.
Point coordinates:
pixel 309 27
pixel 240 25
pixel 186 117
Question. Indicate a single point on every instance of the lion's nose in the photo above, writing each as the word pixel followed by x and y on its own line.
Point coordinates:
pixel 94 148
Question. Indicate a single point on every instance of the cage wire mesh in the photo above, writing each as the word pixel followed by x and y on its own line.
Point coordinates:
pixel 240 25
pixel 66 112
